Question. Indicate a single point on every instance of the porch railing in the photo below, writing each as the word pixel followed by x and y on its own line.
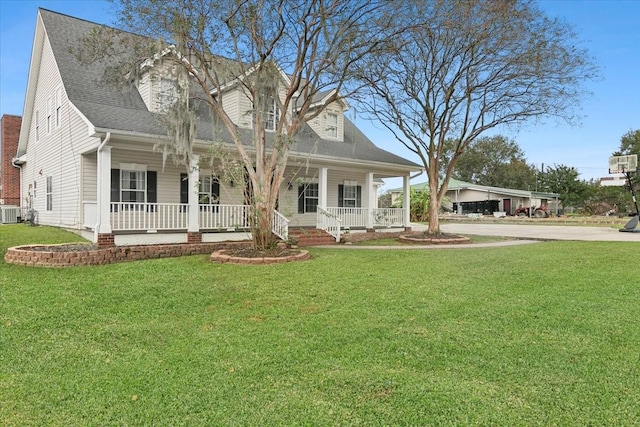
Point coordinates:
pixel 388 217
pixel 350 217
pixel 224 217
pixel 328 222
pixel 148 216
pixel 359 217
pixel 280 225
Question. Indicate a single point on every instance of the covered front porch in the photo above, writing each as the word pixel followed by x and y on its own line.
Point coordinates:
pixel 134 202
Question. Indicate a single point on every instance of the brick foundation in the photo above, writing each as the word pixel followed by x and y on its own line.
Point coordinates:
pixel 371 230
pixel 195 237
pixel 106 240
pixel 407 229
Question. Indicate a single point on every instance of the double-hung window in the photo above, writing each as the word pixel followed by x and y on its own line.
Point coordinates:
pixel 209 190
pixel 168 94
pixel 349 195
pixel 332 125
pixel 133 186
pixel 271 114
pixel 308 198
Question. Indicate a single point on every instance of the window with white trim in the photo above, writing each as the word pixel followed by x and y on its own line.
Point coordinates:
pixel 308 195
pixel 58 106
pixel 349 195
pixel 49 193
pixel 332 125
pixel 133 186
pixel 271 115
pixel 168 94
pixel 208 190
pixel 37 119
pixel 49 117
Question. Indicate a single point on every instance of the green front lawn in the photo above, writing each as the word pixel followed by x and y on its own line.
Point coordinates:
pixel 542 334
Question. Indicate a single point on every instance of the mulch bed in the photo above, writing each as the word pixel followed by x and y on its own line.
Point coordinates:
pixel 252 256
pixel 254 253
pixel 419 237
pixel 436 239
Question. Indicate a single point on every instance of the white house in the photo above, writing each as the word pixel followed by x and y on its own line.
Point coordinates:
pixel 87 160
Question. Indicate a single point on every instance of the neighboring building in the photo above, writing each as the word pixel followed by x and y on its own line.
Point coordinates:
pixel 88 163
pixel 613 181
pixel 467 198
pixel 9 174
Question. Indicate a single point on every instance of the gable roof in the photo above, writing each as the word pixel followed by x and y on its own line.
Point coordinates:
pixel 123 111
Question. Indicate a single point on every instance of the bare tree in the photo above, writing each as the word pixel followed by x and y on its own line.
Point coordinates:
pixel 291 58
pixel 464 67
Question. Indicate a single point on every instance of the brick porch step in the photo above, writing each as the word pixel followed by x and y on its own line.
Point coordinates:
pixel 311 237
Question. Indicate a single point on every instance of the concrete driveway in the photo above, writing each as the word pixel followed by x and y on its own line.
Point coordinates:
pixel 542 232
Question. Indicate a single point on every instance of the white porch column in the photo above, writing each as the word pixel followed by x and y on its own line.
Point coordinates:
pixel 371 199
pixel 322 187
pixel 406 202
pixel 104 192
pixel 194 180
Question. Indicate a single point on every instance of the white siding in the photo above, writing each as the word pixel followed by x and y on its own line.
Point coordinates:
pixel 320 125
pixel 231 104
pixel 149 84
pixel 144 88
pixel 169 179
pixel 239 106
pixel 289 197
pixel 57 154
pixel 90 177
pixel 245 108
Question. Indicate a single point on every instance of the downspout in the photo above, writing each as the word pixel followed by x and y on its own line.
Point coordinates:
pixel 98 206
pixel 105 141
pixel 16 165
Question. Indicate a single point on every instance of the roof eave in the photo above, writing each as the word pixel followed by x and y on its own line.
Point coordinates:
pixel 34 67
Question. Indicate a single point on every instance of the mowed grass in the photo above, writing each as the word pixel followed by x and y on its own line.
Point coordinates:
pixel 392 241
pixel 542 334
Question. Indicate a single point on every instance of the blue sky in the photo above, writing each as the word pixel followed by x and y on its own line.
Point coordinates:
pixel 610 29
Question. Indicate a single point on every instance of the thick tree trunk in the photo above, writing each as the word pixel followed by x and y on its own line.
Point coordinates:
pixel 262 223
pixel 263 238
pixel 434 201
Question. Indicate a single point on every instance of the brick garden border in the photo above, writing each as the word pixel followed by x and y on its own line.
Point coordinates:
pixel 433 240
pixel 220 256
pixel 27 255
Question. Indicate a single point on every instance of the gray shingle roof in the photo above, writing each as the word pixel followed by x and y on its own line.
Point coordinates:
pixel 122 109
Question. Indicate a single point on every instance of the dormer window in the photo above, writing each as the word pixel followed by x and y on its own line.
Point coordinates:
pixel 332 125
pixel 271 115
pixel 168 94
